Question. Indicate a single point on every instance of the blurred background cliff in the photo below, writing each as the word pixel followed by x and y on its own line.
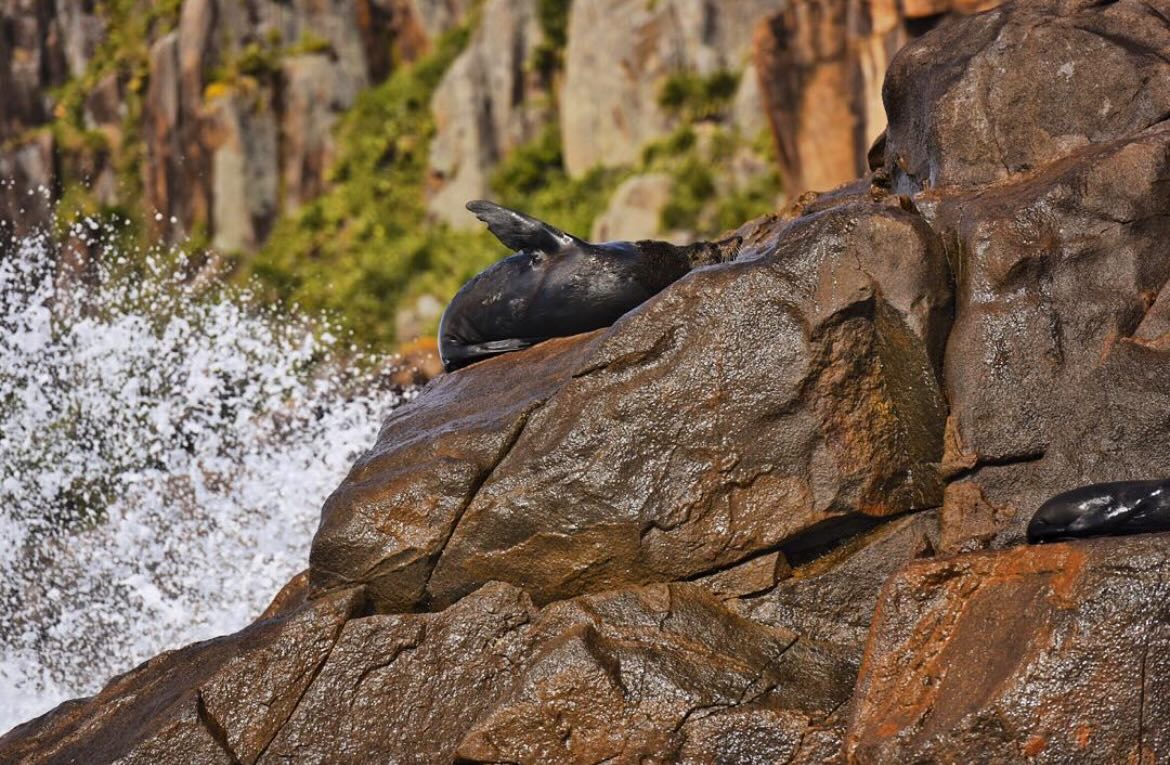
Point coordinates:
pixel 326 147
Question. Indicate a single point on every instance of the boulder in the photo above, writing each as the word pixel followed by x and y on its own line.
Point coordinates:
pixel 635 209
pixel 390 519
pixel 1049 655
pixel 742 407
pixel 1058 271
pixel 1019 87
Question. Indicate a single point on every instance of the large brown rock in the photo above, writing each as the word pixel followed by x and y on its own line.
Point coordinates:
pixel 1049 655
pixel 220 701
pixel 661 674
pixel 390 519
pixel 1057 272
pixel 744 405
pixel 1014 89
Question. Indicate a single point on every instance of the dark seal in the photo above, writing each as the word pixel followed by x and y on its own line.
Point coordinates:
pixel 1103 509
pixel 554 286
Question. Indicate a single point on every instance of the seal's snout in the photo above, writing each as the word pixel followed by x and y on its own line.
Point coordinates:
pixel 1066 516
pixel 1041 529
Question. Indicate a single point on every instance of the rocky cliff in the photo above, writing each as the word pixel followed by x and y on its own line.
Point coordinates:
pixel 774 514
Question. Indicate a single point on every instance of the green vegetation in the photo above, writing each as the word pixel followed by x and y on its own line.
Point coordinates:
pixel 553 16
pixel 695 97
pixel 125 53
pixel 353 250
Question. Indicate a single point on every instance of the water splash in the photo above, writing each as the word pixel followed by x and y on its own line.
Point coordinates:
pixel 163 459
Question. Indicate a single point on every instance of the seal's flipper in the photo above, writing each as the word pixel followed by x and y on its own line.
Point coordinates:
pixel 456 356
pixel 493 347
pixel 520 231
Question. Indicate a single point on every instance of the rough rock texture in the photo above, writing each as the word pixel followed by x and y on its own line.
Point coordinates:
pixel 488 103
pixel 1021 86
pixel 832 597
pixel 798 391
pixel 662 672
pixel 1059 265
pixel 619 54
pixel 821 65
pixel 417 683
pixel 1047 655
pixel 396 510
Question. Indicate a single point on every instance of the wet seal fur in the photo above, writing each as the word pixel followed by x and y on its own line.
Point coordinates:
pixel 555 285
pixel 1103 509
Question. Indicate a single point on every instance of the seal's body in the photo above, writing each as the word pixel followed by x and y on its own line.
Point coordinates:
pixel 1123 507
pixel 555 285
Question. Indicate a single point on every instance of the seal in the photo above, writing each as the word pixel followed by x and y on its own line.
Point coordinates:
pixel 1101 509
pixel 554 285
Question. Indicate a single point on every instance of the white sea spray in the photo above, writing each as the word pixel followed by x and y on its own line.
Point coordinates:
pixel 163 460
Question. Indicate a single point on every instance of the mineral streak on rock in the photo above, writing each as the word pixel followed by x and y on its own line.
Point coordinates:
pixel 1053 654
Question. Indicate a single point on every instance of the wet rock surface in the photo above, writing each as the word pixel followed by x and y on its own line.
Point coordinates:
pixel 682 537
pixel 1051 654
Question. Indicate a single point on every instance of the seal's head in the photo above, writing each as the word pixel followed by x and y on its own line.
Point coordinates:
pixel 1094 510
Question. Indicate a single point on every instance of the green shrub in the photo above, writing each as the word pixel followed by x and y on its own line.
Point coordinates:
pixel 553 17
pixel 354 250
pixel 695 97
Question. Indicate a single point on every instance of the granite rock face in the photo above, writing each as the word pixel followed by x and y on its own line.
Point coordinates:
pixel 681 538
pixel 620 53
pixel 489 102
pixel 234 106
